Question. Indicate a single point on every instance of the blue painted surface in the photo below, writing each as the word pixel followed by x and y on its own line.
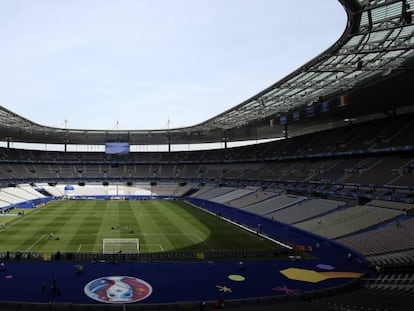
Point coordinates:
pixel 171 281
pixel 190 281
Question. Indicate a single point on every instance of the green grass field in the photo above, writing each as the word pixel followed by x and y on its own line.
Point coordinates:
pixel 160 226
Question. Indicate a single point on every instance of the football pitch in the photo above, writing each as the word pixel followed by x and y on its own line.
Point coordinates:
pixel 82 225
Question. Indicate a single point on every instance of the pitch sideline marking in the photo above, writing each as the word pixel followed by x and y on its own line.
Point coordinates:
pixel 137 234
pixel 242 226
pixel 203 241
pixel 150 246
pixel 38 240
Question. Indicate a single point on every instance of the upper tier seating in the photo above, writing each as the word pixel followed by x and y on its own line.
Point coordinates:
pixel 368 136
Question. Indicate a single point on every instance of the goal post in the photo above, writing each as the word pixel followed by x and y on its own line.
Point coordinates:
pixel 115 246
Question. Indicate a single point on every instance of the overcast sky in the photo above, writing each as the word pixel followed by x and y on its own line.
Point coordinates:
pixel 141 62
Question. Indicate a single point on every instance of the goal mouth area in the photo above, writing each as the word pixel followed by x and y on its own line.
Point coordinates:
pixel 120 245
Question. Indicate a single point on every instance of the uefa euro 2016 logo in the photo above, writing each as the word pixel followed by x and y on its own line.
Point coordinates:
pixel 118 289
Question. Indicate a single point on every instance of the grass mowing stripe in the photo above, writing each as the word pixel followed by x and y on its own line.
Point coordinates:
pixel 160 225
pixel 35 242
pixel 41 221
pixel 230 236
pixel 109 218
pixel 141 216
pixel 169 219
pixel 189 223
pixel 83 225
pixel 204 242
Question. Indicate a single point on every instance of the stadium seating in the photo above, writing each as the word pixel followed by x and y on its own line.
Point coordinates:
pixel 164 189
pixel 9 196
pixel 394 260
pixel 215 192
pixel 305 210
pixel 394 237
pixel 391 204
pixel 273 204
pixel 232 195
pixel 252 198
pixel 373 297
pixel 347 221
pixel 352 185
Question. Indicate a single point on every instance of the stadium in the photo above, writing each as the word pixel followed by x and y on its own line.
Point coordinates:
pixel 317 216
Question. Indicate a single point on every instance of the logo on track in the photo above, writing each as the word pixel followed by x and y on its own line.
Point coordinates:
pixel 118 289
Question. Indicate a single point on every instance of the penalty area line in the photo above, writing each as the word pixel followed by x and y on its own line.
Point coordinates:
pixel 37 241
pixel 204 242
pixel 92 246
pixel 82 245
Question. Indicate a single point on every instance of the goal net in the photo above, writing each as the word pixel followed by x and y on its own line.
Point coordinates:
pixel 115 246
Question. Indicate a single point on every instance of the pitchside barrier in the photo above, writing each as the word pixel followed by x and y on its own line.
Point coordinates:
pixel 178 255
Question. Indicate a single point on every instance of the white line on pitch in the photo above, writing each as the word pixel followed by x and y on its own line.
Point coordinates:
pixel 80 246
pixel 138 233
pixel 36 242
pixel 162 248
pixel 166 234
pixel 209 246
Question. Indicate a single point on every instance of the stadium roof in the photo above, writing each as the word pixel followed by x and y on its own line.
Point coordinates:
pixel 378 43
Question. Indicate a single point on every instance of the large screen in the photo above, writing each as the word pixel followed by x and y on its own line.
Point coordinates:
pixel 116 148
